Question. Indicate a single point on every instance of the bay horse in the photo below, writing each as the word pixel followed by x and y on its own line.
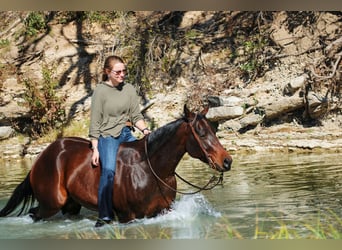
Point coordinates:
pixel 63 178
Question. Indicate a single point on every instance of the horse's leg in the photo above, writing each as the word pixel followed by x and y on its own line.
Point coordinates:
pixel 50 202
pixel 45 212
pixel 48 183
pixel 37 213
pixel 71 207
pixel 33 214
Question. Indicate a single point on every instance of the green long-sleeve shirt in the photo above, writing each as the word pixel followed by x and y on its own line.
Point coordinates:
pixel 111 107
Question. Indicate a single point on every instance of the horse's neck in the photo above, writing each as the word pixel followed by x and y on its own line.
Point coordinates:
pixel 168 155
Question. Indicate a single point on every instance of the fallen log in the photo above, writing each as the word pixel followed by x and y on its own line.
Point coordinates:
pixel 277 108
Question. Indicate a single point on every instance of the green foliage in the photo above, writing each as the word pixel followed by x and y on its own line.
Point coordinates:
pixel 253 51
pixel 34 23
pixel 46 108
pixel 99 16
pixel 4 43
pixel 193 34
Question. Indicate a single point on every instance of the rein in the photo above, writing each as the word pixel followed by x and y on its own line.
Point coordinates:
pixel 210 162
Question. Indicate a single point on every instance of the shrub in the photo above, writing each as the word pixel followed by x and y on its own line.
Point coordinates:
pixel 34 23
pixel 46 107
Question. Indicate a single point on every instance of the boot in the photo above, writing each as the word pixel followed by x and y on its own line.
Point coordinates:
pixel 100 223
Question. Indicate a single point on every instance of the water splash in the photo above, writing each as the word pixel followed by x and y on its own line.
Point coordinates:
pixel 188 208
pixel 190 217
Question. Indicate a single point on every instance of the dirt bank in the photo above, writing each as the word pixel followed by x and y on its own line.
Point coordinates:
pixel 178 58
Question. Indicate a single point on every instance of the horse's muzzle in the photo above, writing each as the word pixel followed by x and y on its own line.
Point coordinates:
pixel 227 163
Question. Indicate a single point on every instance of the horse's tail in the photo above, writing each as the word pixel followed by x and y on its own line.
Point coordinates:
pixel 22 193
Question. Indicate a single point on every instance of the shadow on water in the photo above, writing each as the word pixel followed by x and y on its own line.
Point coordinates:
pixel 262 192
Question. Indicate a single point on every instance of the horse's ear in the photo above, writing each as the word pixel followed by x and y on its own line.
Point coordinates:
pixel 187 113
pixel 205 110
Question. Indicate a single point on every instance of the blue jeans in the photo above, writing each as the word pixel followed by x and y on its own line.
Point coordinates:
pixel 108 148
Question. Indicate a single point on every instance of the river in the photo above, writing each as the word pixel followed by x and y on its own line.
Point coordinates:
pixel 262 195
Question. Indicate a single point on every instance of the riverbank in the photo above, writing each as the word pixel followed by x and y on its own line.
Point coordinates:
pixel 288 138
pixel 284 137
pixel 279 139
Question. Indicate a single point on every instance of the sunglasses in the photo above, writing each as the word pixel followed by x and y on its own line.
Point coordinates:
pixel 118 72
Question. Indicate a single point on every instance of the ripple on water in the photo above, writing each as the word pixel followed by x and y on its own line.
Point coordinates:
pixel 268 189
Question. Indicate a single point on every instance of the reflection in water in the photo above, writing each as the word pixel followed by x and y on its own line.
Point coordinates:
pixel 280 188
pixel 261 191
pixel 11 174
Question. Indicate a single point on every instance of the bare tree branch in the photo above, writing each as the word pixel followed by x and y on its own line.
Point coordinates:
pixel 332 73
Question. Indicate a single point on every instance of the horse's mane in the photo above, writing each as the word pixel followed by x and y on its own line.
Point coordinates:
pixel 160 136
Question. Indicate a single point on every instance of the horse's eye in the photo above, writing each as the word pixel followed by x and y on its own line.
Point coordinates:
pixel 201 133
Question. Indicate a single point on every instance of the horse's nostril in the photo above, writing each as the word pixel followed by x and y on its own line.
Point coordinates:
pixel 227 163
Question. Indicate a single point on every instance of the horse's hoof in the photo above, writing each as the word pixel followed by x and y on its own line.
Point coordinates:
pixel 34 217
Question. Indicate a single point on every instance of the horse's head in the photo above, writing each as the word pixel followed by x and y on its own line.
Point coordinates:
pixel 203 143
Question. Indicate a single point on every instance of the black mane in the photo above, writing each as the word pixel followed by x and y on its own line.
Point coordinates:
pixel 160 136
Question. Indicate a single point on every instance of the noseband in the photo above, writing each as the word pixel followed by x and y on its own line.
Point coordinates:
pixel 210 162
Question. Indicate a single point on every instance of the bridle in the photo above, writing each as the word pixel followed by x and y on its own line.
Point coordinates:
pixel 210 162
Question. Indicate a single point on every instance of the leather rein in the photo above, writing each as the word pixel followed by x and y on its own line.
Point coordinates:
pixel 210 162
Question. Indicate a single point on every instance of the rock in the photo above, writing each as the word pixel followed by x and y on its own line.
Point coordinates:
pixel 251 120
pixel 231 101
pixel 35 149
pixel 224 113
pixel 214 101
pixel 232 125
pixel 310 144
pixel 6 132
pixel 294 85
pixel 251 143
pixel 317 105
pixel 228 101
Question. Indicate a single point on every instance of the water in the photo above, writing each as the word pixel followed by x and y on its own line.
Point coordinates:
pixel 262 193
